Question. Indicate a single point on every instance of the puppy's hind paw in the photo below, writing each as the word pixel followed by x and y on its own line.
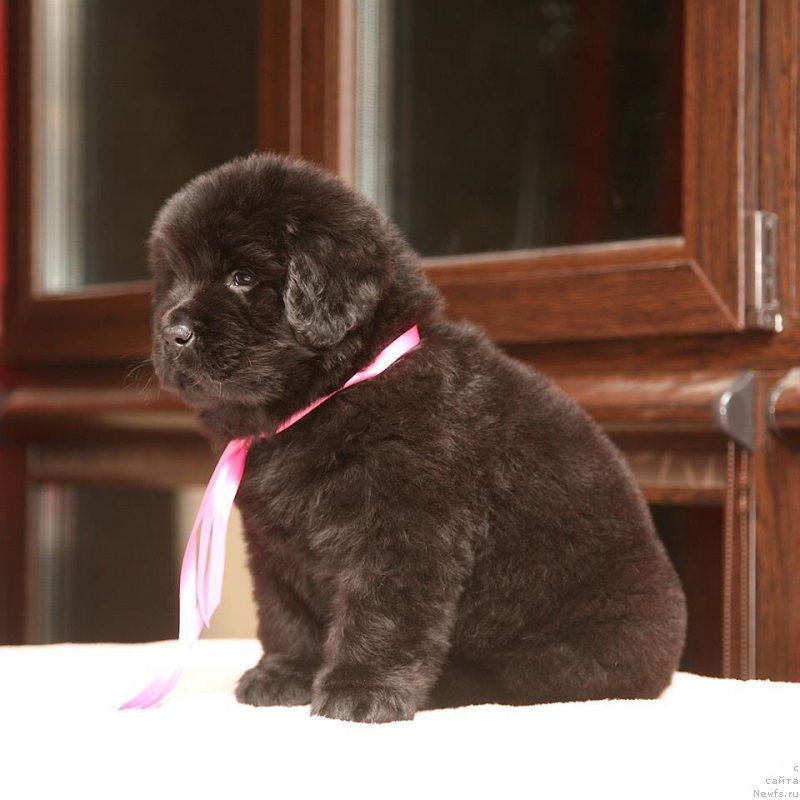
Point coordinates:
pixel 276 681
pixel 359 703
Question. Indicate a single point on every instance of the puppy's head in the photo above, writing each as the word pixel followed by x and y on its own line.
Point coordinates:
pixel 262 269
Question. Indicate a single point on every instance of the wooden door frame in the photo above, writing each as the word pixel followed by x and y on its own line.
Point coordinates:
pixel 106 323
pixel 688 284
pixel 308 115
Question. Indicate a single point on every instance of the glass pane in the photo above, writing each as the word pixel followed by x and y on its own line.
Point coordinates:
pixel 107 562
pixel 130 100
pixel 486 126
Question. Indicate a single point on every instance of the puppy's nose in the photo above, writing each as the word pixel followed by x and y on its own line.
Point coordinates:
pixel 180 335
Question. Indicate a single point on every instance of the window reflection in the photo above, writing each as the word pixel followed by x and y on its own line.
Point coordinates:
pixel 130 100
pixel 105 565
pixel 529 123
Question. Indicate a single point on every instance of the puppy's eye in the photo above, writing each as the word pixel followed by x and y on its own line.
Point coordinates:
pixel 241 279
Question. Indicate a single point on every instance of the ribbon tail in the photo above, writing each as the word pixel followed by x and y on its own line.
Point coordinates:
pixel 190 626
pixel 205 521
pixel 210 589
pixel 202 567
pixel 153 693
pixel 212 585
pixel 189 630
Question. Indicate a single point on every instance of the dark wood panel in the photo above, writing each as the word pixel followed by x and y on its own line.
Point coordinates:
pixel 651 400
pixel 714 142
pixel 585 303
pixel 693 538
pixel 783 405
pixel 718 181
pixel 125 460
pixel 4 153
pixel 277 96
pixel 101 323
pixel 308 80
pixel 712 177
pixel 13 576
pixel 646 399
pixel 679 496
pixel 327 84
pixel 674 354
pixel 81 402
pixel 738 642
pixel 776 474
pixel 110 325
pixel 779 146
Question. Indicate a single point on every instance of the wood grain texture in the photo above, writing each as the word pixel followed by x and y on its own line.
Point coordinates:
pixel 718 180
pixel 79 401
pixel 693 538
pixel 713 167
pixel 308 84
pixel 275 87
pixel 778 142
pixel 322 60
pixel 585 304
pixel 659 298
pixel 705 294
pixel 647 399
pixel 106 323
pixel 738 600
pixel 12 456
pixel 13 543
pixel 778 149
pixel 776 476
pixel 783 405
pixel 4 153
pixel 106 326
pixel 650 401
pixel 126 461
pixel 679 496
pixel 300 99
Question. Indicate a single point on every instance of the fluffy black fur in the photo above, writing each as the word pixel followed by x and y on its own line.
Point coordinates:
pixel 454 531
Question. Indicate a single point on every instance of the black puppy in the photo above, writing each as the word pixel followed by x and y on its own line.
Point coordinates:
pixel 454 531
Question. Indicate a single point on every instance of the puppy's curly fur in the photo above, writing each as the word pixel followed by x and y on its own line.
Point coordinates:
pixel 455 531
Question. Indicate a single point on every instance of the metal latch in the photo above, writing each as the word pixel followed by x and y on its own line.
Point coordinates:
pixel 734 410
pixel 762 295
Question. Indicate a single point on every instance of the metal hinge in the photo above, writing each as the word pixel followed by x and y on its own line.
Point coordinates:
pixel 762 295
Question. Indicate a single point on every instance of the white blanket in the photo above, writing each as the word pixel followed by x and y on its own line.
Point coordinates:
pixel 61 737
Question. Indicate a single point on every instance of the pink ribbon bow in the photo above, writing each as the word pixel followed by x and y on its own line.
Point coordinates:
pixel 204 559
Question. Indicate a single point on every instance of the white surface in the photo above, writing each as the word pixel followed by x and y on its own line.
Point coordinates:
pixel 60 736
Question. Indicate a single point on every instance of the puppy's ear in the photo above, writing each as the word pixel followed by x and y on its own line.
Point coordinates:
pixel 328 293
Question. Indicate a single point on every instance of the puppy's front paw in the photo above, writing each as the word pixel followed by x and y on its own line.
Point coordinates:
pixel 361 700
pixel 276 681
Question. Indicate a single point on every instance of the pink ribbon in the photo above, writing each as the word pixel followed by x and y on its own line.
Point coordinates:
pixel 204 559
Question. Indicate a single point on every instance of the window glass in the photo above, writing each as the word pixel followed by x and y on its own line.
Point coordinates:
pixel 130 100
pixel 106 564
pixel 486 126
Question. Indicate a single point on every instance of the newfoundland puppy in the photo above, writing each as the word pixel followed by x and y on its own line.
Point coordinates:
pixel 453 531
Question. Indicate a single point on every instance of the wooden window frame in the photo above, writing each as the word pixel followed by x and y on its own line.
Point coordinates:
pixel 682 285
pixel 103 323
pixel 306 99
pixel 689 284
